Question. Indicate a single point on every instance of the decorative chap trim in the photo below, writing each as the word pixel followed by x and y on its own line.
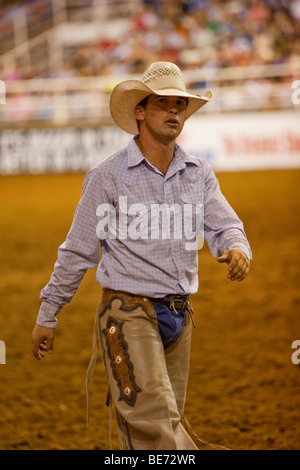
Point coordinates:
pixel 124 431
pixel 121 365
pixel 129 302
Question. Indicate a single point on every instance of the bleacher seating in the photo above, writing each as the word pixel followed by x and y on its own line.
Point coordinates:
pixel 248 51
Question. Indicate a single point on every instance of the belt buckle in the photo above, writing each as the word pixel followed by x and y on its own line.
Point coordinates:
pixel 175 300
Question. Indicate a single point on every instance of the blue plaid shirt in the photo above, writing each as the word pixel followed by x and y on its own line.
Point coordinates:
pixel 135 256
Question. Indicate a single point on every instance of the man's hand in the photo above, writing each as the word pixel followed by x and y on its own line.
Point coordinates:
pixel 238 264
pixel 42 341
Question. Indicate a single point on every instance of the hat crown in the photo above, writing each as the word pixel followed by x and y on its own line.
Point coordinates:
pixel 162 75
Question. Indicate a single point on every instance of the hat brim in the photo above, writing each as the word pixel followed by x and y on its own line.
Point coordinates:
pixel 126 95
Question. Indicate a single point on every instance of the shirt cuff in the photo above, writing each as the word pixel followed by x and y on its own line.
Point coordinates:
pixel 243 248
pixel 47 315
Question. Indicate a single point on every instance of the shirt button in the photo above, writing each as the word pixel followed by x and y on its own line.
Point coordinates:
pixel 118 359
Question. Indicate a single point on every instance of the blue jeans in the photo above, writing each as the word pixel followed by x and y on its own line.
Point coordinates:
pixel 170 324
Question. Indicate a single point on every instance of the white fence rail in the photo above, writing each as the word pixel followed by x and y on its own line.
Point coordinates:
pixel 85 100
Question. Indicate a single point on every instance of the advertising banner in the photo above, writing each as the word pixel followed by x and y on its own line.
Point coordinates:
pixel 249 141
pixel 231 142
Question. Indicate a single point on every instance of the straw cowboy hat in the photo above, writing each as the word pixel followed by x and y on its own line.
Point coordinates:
pixel 161 78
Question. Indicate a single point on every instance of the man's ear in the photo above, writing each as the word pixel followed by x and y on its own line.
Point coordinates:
pixel 139 112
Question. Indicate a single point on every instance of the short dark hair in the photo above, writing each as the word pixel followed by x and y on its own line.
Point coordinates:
pixel 142 103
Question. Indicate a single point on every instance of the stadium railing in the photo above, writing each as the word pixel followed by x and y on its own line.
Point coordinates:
pixel 85 100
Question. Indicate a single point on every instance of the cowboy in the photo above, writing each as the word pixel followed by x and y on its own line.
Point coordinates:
pixel 148 206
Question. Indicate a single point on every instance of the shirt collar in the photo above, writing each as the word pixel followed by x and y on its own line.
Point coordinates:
pixel 135 156
pixel 180 159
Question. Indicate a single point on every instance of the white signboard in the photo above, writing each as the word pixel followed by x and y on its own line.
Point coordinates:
pixel 231 142
pixel 248 141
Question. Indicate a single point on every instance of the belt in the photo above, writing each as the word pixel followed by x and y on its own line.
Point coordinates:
pixel 175 303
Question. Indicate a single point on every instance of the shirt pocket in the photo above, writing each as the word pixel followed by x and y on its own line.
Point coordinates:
pixel 193 220
pixel 135 218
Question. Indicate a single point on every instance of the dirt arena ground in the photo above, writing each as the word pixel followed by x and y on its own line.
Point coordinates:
pixel 244 388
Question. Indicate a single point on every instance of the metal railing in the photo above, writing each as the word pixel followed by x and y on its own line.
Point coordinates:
pixel 85 100
pixel 31 28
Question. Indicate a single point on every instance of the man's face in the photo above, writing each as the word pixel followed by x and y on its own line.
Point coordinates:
pixel 163 117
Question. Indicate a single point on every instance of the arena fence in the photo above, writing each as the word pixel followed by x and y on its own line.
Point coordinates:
pixel 85 100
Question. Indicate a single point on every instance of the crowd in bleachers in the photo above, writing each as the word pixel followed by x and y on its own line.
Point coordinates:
pixel 204 33
pixel 192 33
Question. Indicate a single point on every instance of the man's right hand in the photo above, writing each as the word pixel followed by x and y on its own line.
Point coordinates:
pixel 42 341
